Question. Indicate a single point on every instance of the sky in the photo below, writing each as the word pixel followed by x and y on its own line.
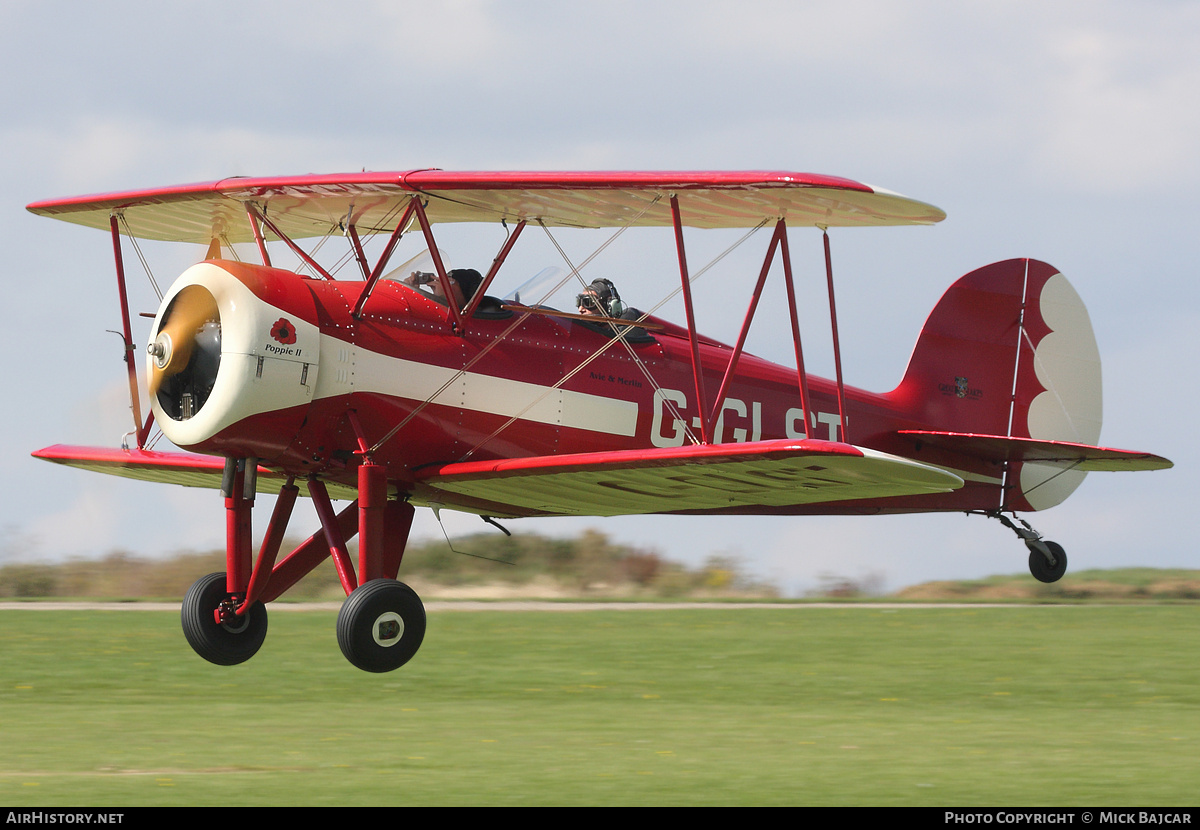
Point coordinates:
pixel 1061 131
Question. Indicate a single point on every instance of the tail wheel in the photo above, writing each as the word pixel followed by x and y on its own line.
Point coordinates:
pixel 227 643
pixel 381 625
pixel 1041 567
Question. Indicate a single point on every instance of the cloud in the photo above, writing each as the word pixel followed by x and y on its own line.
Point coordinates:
pixel 1121 112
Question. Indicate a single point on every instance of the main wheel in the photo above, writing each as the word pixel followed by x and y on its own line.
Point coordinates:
pixel 225 644
pixel 1042 570
pixel 381 625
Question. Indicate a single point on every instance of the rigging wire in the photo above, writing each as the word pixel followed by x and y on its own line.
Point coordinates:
pixel 503 335
pixel 229 246
pixel 141 257
pixel 691 281
pixel 620 337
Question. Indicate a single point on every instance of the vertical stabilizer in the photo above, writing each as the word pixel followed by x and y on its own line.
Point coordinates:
pixel 1009 351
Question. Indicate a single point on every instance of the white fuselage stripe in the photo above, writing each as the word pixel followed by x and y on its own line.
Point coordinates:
pixel 346 368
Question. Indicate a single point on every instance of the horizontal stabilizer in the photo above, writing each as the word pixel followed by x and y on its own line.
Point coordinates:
pixel 699 477
pixel 1000 448
pixel 186 469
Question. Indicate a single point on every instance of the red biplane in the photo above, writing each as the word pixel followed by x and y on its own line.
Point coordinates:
pixel 374 390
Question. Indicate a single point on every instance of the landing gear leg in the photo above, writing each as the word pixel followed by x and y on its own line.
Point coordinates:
pixel 382 623
pixel 1047 560
pixel 219 621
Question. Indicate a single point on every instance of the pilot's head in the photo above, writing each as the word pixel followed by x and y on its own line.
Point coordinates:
pixel 600 299
pixel 468 280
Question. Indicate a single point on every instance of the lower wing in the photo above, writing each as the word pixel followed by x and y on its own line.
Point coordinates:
pixel 700 477
pixel 186 469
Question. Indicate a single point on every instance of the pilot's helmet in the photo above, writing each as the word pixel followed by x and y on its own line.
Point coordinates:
pixel 601 297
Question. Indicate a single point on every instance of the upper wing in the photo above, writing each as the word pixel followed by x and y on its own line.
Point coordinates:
pixel 698 477
pixel 1082 457
pixel 303 206
pixel 186 469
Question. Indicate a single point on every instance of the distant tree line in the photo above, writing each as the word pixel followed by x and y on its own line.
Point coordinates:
pixel 587 565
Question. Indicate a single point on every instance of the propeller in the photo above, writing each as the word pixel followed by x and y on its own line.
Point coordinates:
pixel 187 351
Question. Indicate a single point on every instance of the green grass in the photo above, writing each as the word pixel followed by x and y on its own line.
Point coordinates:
pixel 857 706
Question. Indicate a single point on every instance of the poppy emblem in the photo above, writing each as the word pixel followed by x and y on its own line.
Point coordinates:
pixel 283 331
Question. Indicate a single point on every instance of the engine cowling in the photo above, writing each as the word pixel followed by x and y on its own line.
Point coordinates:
pixel 233 358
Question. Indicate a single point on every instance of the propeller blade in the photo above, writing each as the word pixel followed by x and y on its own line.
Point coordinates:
pixel 172 350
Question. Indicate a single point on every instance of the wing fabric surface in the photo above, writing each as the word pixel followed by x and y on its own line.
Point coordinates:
pixel 769 473
pixel 703 477
pixel 186 469
pixel 304 206
pixel 998 448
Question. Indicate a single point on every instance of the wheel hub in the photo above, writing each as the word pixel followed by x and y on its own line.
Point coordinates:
pixel 227 617
pixel 388 629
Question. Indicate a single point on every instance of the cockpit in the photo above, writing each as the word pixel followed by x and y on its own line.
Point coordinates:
pixel 547 293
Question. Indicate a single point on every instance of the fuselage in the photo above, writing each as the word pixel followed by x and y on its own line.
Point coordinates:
pixel 295 361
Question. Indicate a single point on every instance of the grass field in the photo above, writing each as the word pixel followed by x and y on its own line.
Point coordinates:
pixel 1057 705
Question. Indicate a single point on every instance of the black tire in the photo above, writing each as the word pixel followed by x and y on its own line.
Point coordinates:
pixel 223 644
pixel 381 625
pixel 1042 570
